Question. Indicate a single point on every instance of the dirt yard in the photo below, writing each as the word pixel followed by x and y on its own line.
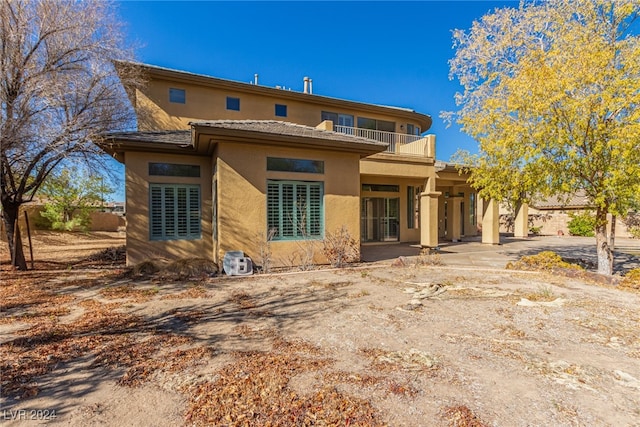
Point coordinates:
pixel 88 343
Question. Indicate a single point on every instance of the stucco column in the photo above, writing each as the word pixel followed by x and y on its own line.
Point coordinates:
pixel 521 222
pixel 490 222
pixel 456 232
pixel 429 219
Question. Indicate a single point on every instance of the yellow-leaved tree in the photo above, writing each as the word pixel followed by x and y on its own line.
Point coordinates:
pixel 552 95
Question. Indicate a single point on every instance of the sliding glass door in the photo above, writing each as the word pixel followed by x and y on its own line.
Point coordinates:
pixel 380 219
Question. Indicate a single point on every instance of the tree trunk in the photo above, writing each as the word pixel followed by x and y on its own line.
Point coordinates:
pixel 10 212
pixel 603 250
pixel 612 233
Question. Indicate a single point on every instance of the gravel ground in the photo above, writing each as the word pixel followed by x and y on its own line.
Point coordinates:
pixel 404 345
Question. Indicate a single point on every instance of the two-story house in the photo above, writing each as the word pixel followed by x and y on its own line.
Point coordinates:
pixel 219 165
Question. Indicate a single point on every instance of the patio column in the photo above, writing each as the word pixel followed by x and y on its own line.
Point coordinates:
pixel 429 219
pixel 490 222
pixel 456 228
pixel 521 222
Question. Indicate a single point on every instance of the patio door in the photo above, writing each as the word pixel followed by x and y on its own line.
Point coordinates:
pixel 380 219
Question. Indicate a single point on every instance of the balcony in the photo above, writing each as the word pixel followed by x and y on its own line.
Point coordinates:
pixel 399 143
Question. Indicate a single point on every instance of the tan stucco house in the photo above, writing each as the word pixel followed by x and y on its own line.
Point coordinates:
pixel 217 165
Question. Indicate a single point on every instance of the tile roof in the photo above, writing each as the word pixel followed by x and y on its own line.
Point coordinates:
pixel 578 200
pixel 175 137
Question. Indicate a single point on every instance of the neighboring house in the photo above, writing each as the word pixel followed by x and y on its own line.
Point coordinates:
pixel 216 165
pixel 551 216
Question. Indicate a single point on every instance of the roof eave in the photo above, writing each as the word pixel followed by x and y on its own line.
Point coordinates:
pixel 202 131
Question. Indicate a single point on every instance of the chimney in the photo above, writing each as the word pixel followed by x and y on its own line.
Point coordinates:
pixel 310 86
pixel 255 79
pixel 306 85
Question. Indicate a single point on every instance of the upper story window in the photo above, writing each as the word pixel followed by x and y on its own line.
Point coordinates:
pixel 233 103
pixel 413 130
pixel 338 119
pixel 177 96
pixel 374 124
pixel 281 110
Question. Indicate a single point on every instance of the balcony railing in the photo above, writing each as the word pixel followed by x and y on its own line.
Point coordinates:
pixel 398 142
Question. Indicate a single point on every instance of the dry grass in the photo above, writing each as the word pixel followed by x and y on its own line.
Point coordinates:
pixel 254 391
pixel 462 416
pixel 631 280
pixel 544 293
pixel 543 261
pixel 129 291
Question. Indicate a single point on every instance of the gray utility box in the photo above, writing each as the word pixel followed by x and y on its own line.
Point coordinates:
pixel 236 264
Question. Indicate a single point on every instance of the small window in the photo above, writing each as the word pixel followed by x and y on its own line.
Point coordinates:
pixel 278 164
pixel 172 169
pixel 174 212
pixel 381 187
pixel 177 96
pixel 233 103
pixel 281 110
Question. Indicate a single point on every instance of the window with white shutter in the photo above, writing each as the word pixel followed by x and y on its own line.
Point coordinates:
pixel 174 212
pixel 295 210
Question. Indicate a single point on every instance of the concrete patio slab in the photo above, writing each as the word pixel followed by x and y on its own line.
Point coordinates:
pixel 472 252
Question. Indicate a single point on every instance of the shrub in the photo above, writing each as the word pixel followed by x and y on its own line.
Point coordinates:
pixel 632 221
pixel 535 230
pixel 340 248
pixel 428 257
pixel 582 224
pixel 546 261
pixel 631 279
pixel 264 249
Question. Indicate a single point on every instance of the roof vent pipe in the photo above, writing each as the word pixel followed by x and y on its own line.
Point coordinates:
pixel 255 79
pixel 310 86
pixel 306 85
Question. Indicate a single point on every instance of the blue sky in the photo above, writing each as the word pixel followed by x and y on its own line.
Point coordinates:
pixel 389 53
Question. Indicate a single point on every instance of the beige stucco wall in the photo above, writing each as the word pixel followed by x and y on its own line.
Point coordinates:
pixel 209 103
pixel 139 247
pixel 395 165
pixel 242 205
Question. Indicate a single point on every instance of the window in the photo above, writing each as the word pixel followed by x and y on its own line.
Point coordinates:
pixel 326 115
pixel 172 169
pixel 294 165
pixel 381 187
pixel 233 103
pixel 413 206
pixel 174 212
pixel 281 110
pixel 413 130
pixel 373 124
pixel 295 210
pixel 338 119
pixel 177 96
pixel 472 210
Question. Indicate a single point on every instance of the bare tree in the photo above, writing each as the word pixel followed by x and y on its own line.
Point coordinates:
pixel 59 91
